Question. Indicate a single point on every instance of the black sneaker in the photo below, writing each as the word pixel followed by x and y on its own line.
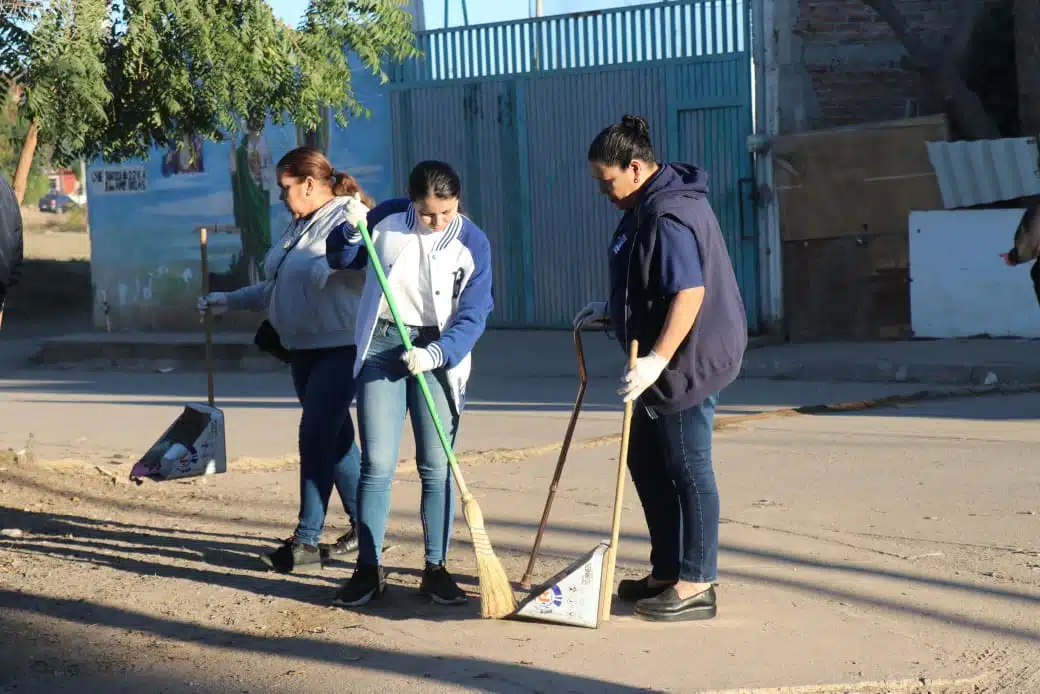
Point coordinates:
pixel 367 583
pixel 345 544
pixel 438 585
pixel 291 555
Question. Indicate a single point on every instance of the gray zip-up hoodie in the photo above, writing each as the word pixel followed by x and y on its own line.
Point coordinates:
pixel 310 306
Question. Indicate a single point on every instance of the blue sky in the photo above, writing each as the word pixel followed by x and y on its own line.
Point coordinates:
pixel 480 11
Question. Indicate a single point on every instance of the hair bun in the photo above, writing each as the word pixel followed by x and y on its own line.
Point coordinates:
pixel 637 124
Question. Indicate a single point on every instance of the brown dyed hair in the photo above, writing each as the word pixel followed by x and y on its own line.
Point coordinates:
pixel 308 161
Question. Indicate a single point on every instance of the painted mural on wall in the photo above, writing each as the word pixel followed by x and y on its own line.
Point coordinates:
pixel 145 215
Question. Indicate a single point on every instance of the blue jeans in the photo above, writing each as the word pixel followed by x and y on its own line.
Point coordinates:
pixel 669 459
pixel 324 382
pixel 386 391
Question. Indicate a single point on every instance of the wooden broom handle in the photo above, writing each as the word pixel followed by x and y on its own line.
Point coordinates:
pixel 208 318
pixel 607 589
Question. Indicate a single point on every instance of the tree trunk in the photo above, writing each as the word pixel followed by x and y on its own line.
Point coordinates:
pixel 21 174
pixel 975 123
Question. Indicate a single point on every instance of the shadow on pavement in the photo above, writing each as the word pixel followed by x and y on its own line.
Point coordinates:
pixel 18 609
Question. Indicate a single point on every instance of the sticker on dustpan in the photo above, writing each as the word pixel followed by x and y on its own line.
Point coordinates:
pixel 571 596
pixel 192 446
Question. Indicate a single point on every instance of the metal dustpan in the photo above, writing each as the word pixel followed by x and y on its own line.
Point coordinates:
pixel 581 594
pixel 194 444
pixel 570 597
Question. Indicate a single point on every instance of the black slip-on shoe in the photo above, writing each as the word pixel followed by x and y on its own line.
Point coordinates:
pixel 633 591
pixel 668 607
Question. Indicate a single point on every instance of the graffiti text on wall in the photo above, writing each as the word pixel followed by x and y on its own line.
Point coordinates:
pixel 123 180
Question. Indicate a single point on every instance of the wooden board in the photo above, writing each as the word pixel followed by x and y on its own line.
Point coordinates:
pixel 856 180
pixel 855 287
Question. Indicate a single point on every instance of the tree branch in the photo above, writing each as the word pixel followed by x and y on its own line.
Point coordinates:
pixel 968 15
pixel 972 116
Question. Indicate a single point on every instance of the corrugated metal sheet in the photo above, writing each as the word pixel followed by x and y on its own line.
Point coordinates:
pixel 622 36
pixel 711 121
pixel 571 223
pixel 520 143
pixel 985 171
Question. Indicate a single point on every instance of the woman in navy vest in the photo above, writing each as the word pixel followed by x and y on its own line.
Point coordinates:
pixel 673 289
pixel 438 267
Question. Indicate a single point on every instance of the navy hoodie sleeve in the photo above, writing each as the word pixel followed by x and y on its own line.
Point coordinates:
pixel 343 249
pixel 675 263
pixel 10 238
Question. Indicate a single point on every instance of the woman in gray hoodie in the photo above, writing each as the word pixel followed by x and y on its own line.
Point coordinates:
pixel 312 312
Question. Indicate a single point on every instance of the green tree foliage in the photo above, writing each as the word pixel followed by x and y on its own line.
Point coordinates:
pixel 112 79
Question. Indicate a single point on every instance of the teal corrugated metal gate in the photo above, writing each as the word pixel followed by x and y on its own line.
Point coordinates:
pixel 514 106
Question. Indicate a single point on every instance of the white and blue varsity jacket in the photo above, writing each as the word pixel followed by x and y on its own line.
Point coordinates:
pixel 460 268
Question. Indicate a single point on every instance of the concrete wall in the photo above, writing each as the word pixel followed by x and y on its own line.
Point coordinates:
pixel 960 287
pixel 841 65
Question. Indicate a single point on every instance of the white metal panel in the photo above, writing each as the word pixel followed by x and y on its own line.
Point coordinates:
pixel 985 171
pixel 960 287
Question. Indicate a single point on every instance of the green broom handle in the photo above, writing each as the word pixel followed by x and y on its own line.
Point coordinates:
pixel 373 260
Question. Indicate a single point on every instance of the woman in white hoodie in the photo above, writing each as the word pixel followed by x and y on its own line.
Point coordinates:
pixel 439 269
pixel 311 322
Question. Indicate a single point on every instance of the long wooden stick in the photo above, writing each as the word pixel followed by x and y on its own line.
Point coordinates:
pixel 607 589
pixel 208 318
pixel 525 581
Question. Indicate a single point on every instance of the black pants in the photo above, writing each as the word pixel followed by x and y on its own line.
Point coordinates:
pixel 329 455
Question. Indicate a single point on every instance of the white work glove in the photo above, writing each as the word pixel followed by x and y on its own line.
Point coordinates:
pixel 355 210
pixel 594 312
pixel 643 375
pixel 419 359
pixel 216 302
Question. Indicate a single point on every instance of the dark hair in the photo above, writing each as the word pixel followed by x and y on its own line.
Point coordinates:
pixel 308 161
pixel 622 143
pixel 433 178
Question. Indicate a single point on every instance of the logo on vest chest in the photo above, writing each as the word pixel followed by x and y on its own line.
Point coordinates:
pixel 619 244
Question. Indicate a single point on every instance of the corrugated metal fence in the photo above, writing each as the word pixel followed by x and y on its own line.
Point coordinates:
pixel 513 107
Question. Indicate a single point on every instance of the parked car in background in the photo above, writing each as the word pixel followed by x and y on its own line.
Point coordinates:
pixel 59 203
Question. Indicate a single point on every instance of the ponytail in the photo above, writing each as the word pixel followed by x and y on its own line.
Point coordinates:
pixel 345 184
pixel 308 161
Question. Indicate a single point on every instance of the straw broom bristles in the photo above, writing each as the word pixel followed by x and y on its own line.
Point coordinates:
pixel 496 592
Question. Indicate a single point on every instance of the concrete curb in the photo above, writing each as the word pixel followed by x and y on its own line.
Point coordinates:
pixel 968 685
pixel 885 371
pixel 235 352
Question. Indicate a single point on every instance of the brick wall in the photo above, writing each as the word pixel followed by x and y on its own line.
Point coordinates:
pixel 854 62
